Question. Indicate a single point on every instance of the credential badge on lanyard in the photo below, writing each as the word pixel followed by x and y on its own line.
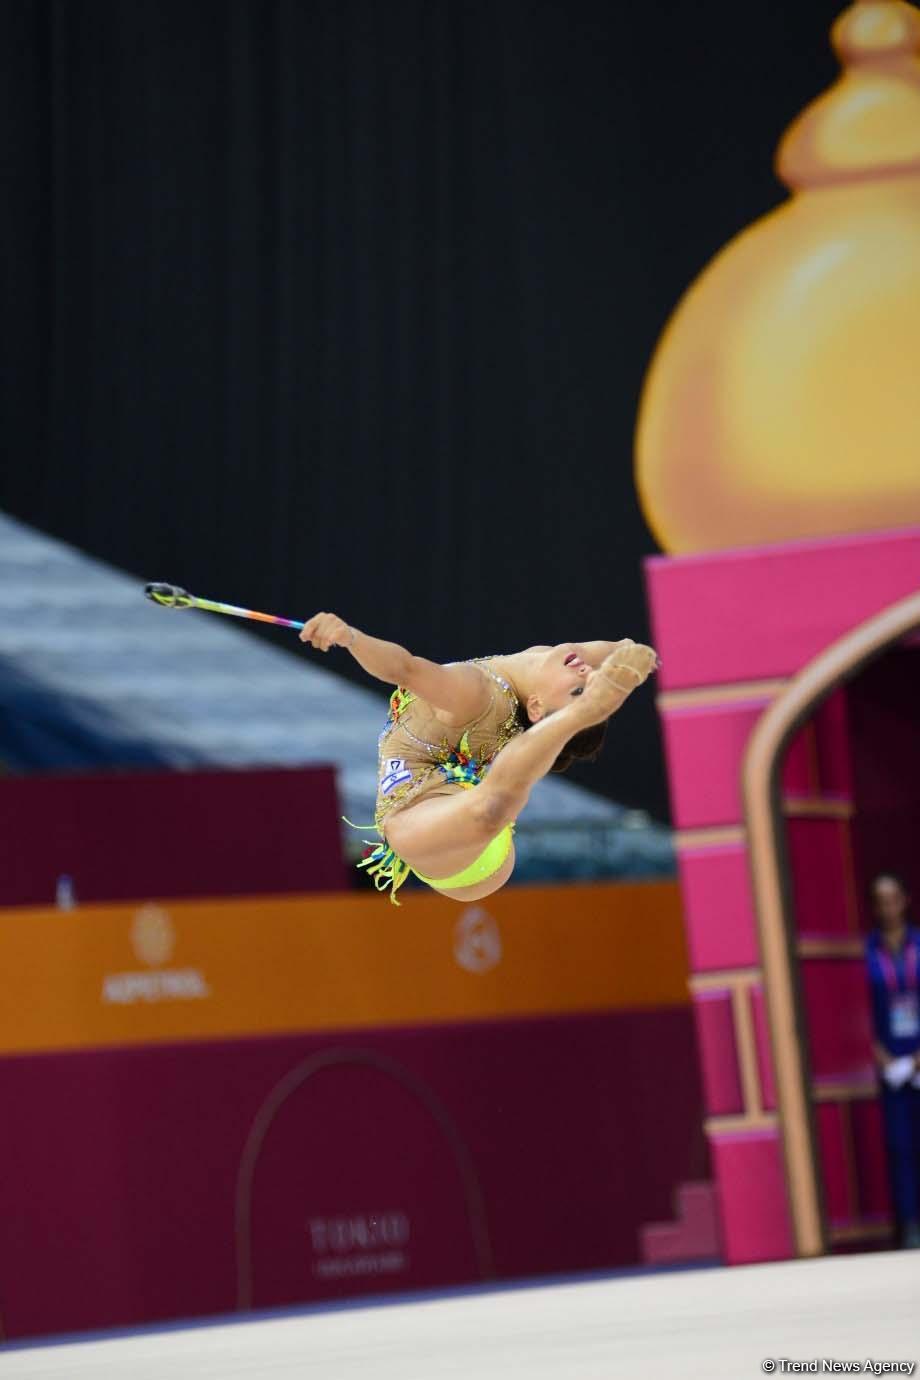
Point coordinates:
pixel 903 1007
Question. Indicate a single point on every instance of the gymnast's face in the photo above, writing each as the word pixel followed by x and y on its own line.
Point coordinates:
pixel 560 678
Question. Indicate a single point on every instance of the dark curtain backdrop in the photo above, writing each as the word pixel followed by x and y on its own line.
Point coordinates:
pixel 346 304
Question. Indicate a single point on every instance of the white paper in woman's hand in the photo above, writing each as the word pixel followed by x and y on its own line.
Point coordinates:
pixel 899 1071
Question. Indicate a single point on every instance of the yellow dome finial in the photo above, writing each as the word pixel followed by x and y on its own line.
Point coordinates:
pixel 782 398
pixel 868 123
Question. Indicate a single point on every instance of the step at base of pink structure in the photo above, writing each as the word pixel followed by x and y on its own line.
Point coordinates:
pixel 694 1235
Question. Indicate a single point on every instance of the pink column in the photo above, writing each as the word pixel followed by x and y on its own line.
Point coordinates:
pixel 732 628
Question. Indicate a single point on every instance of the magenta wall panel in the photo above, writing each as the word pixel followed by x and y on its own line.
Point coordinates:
pixel 800 765
pixel 835 1165
pixel 834 748
pixel 882 706
pixel 715 1033
pixel 409 1158
pixel 870 1160
pixel 163 834
pixel 822 876
pixel 704 745
pixel 762 1041
pixel 886 839
pixel 752 614
pixel 839 1034
pixel 818 759
pixel 718 907
pixel 752 1196
pixel 853 1163
pixel 355 1168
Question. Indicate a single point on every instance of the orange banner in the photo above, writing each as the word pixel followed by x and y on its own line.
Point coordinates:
pixel 179 970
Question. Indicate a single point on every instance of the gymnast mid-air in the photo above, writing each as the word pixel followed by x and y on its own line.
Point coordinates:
pixel 497 724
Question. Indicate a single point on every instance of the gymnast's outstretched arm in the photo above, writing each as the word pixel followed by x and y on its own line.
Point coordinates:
pixel 460 690
pixel 596 652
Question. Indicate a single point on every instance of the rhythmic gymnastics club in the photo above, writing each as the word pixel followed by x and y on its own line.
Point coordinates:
pixel 172 597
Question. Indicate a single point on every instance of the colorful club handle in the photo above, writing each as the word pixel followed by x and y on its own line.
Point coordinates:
pixel 173 597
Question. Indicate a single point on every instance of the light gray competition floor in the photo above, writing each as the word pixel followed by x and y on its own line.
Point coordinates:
pixel 715 1322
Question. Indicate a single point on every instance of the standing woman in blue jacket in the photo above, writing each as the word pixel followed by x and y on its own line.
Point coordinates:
pixel 893 963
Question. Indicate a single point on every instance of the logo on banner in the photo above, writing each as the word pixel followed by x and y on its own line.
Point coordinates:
pixel 395 773
pixel 477 941
pixel 365 1244
pixel 153 939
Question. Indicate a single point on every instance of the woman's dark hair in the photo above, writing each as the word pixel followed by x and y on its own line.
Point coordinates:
pixel 886 875
pixel 584 747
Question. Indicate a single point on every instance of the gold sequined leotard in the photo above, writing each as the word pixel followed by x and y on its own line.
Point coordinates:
pixel 418 754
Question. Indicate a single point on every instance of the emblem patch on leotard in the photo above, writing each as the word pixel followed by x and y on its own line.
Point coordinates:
pixel 396 773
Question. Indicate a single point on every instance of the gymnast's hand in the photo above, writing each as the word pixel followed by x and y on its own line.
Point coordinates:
pixel 596 653
pixel 607 688
pixel 325 630
pixel 637 660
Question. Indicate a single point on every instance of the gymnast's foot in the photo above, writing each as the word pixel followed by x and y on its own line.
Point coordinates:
pixel 616 678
